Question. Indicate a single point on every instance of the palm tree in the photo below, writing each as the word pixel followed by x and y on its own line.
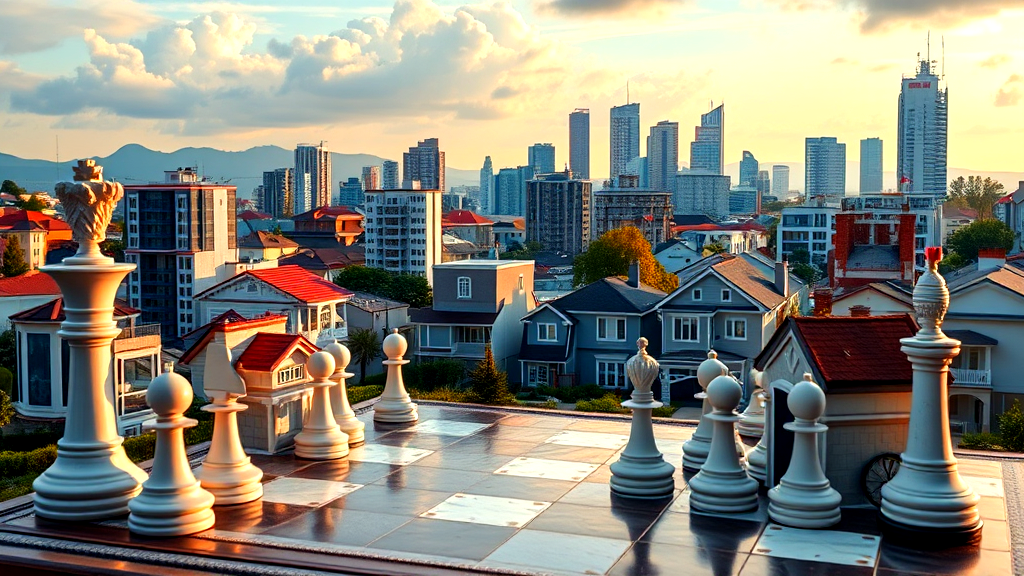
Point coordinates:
pixel 365 346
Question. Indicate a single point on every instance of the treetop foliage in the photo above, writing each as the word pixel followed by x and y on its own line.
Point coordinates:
pixel 613 252
pixel 975 193
pixel 987 233
pixel 413 290
pixel 13 258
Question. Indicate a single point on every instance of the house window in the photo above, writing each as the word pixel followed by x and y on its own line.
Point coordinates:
pixel 611 374
pixel 736 329
pixel 539 375
pixel 38 362
pixel 520 281
pixel 726 295
pixel 325 318
pixel 684 329
pixel 465 287
pixel 970 358
pixel 611 329
pixel 697 295
pixel 547 332
pixel 290 374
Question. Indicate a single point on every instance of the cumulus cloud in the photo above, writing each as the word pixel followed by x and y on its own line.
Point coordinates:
pixel 879 15
pixel 597 8
pixel 34 25
pixel 994 61
pixel 1012 91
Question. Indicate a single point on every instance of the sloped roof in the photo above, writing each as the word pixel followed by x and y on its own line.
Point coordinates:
pixel 227 322
pixel 294 281
pixel 328 213
pixel 252 215
pixel 892 289
pixel 1009 276
pixel 691 219
pixel 609 295
pixel 748 226
pixel 260 239
pixel 749 279
pixel 431 316
pixel 464 217
pixel 373 303
pixel 53 311
pixel 326 258
pixel 267 351
pixel 31 220
pixel 31 283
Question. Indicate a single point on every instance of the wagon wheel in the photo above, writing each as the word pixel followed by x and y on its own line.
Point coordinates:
pixel 877 472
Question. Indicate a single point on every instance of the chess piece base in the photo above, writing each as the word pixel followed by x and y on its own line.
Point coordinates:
pixel 695 452
pixel 321 444
pixel 804 506
pixel 353 427
pixel 171 511
pixel 757 463
pixel 395 412
pixel 929 538
pixel 86 484
pixel 645 478
pixel 231 483
pixel 729 493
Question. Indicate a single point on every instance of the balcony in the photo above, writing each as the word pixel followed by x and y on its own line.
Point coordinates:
pixel 326 336
pixel 137 337
pixel 971 378
pixel 473 350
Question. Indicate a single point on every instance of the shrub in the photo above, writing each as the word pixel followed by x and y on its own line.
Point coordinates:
pixel 1011 428
pixel 16 486
pixel 609 403
pixel 31 441
pixel 6 381
pixel 6 409
pixel 375 380
pixel 573 393
pixel 439 394
pixel 140 448
pixel 664 412
pixel 488 384
pixel 981 441
pixel 444 373
pixel 20 463
pixel 358 394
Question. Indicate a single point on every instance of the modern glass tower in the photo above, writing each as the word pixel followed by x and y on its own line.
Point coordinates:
pixel 487 187
pixel 663 156
pixel 541 157
pixel 824 167
pixel 625 137
pixel 312 177
pixel 748 169
pixel 579 143
pixel 921 149
pixel 706 148
pixel 871 165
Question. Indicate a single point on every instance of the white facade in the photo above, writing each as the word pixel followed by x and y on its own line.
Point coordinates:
pixel 389 175
pixel 921 148
pixel 371 178
pixel 780 181
pixel 871 165
pixel 809 228
pixel 313 180
pixel 824 167
pixel 625 137
pixel 403 231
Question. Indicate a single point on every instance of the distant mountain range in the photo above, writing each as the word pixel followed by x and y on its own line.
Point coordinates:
pixel 135 164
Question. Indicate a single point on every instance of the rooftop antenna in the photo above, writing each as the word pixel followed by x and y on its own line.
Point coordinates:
pixel 627 91
pixel 929 53
pixel 943 56
pixel 57 139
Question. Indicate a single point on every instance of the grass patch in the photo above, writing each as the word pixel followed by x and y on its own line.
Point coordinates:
pixel 357 394
pixel 439 394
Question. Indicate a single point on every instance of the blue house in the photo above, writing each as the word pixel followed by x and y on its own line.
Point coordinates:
pixel 585 337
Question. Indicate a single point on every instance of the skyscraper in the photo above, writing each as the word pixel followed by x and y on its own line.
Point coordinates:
pixel 579 143
pixel 748 169
pixel 350 192
pixel 371 178
pixel 510 190
pixel 558 212
pixel 703 194
pixel 663 156
pixel 780 181
pixel 277 197
pixel 921 149
pixel 625 137
pixel 312 177
pixel 709 140
pixel 824 167
pixel 487 187
pixel 871 165
pixel 408 238
pixel 542 158
pixel 389 175
pixel 424 162
pixel 763 183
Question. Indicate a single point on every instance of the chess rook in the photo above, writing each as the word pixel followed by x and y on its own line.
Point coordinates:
pixel 395 406
pixel 695 450
pixel 804 498
pixel 343 413
pixel 722 485
pixel 172 503
pixel 321 437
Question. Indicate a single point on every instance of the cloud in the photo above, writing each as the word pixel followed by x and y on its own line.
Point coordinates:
pixel 34 25
pixel 599 8
pixel 880 15
pixel 994 61
pixel 1012 91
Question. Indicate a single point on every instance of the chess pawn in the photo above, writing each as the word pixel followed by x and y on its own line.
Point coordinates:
pixel 343 413
pixel 695 450
pixel 227 472
pixel 722 486
pixel 752 419
pixel 395 406
pixel 804 498
pixel 172 503
pixel 641 472
pixel 321 438
pixel 757 459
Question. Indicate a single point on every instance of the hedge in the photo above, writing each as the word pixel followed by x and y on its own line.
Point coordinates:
pixel 357 394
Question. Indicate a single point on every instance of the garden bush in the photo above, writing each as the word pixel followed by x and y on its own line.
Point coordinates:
pixel 32 462
pixel 571 394
pixel 6 380
pixel 442 373
pixel 981 441
pixel 609 403
pixel 664 412
pixel 357 394
pixel 375 380
pixel 30 441
pixel 439 394
pixel 1011 428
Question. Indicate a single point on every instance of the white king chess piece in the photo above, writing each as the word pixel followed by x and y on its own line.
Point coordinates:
pixel 395 406
pixel 227 472
pixel 343 413
pixel 641 472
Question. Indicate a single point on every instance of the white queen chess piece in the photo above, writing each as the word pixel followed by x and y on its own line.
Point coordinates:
pixel 227 472
pixel 321 437
pixel 804 498
pixel 641 471
pixel 722 486
pixel 343 413
pixel 395 406
pixel 172 503
pixel 92 477
pixel 695 450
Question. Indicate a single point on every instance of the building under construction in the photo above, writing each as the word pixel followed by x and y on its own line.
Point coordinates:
pixel 648 210
pixel 558 212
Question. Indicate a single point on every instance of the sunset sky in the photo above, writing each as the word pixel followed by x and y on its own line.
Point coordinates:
pixel 492 78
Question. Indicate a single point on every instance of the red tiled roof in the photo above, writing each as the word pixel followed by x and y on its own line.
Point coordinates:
pixel 328 212
pixel 746 226
pixel 300 284
pixel 1005 199
pixel 851 351
pixel 229 321
pixel 252 215
pixel 32 283
pixel 261 239
pixel 266 351
pixel 53 311
pixel 31 220
pixel 464 217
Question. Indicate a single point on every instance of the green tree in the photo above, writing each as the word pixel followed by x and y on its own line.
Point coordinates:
pixel 488 385
pixel 611 255
pixel 11 187
pixel 365 346
pixel 988 233
pixel 1011 428
pixel 6 409
pixel 800 256
pixel 713 248
pixel 976 193
pixel 376 281
pixel 807 272
pixel 33 203
pixel 9 350
pixel 14 259
pixel 114 249
pixel 518 251
pixel 951 263
pixel 411 289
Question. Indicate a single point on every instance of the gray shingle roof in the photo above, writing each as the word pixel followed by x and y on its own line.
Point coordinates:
pixel 609 295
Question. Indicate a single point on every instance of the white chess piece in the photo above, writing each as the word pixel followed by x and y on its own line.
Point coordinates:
pixel 641 472
pixel 343 413
pixel 804 498
pixel 227 472
pixel 695 450
pixel 757 459
pixel 321 438
pixel 395 406
pixel 172 503
pixel 751 422
pixel 722 486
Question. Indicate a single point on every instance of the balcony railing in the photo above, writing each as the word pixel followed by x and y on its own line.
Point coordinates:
pixel 974 378
pixel 138 331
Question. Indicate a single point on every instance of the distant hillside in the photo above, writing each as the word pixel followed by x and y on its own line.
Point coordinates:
pixel 133 164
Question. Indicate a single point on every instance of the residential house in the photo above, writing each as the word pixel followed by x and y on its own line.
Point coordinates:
pixel 585 337
pixel 44 370
pixel 876 298
pixel 476 303
pixel 955 218
pixel 734 237
pixel 456 249
pixel 1010 209
pixel 327 226
pixel 872 247
pixel 34 231
pixel 325 261
pixel 265 246
pixel 508 231
pixel 27 291
pixel 315 307
pixel 469 227
pixel 370 312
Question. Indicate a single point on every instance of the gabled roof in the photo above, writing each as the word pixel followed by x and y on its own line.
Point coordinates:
pixel 252 215
pixel 748 226
pixel 329 213
pixel 431 316
pixel 373 303
pixel 229 321
pixel 325 258
pixel 892 289
pixel 850 353
pixel 1009 276
pixel 293 281
pixel 610 294
pixel 744 276
pixel 31 220
pixel 31 283
pixel 53 311
pixel 260 239
pixel 464 217
pixel 267 351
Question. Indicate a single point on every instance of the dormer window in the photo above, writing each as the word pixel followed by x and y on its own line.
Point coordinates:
pixel 465 287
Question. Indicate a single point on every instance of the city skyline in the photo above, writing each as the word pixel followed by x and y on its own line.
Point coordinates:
pixel 155 74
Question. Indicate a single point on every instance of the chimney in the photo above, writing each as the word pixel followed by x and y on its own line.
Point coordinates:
pixel 782 276
pixel 633 278
pixel 860 311
pixel 823 302
pixel 991 258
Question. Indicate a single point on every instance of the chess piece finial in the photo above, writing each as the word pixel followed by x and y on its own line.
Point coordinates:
pixel 395 406
pixel 343 412
pixel 321 437
pixel 172 503
pixel 931 297
pixel 88 204
pixel 642 370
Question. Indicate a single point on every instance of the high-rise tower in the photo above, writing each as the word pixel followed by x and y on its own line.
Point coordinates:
pixel 487 187
pixel 663 156
pixel 871 165
pixel 708 143
pixel 921 149
pixel 625 137
pixel 824 167
pixel 579 143
pixel 424 162
pixel 312 177
pixel 389 175
pixel 541 158
pixel 748 169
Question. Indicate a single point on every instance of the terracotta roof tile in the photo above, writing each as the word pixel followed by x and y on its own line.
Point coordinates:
pixel 850 351
pixel 53 311
pixel 31 220
pixel 32 283
pixel 267 351
pixel 328 213
pixel 300 284
pixel 253 215
pixel 464 217
pixel 229 321
pixel 261 239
